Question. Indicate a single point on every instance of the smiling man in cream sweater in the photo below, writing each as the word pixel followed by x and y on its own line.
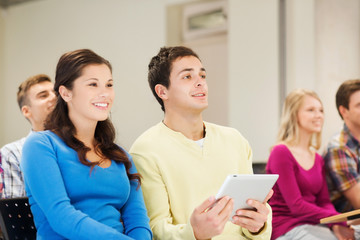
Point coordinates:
pixel 184 160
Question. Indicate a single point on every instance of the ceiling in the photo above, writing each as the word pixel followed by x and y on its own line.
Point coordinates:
pixel 7 3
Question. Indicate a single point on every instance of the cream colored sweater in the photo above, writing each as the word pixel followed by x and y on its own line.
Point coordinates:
pixel 178 175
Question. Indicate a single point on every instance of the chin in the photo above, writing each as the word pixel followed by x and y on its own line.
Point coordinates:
pixel 203 107
pixel 102 119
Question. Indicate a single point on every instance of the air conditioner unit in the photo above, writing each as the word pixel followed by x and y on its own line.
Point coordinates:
pixel 204 19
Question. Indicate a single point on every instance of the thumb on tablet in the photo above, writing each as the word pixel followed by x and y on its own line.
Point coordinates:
pixel 269 196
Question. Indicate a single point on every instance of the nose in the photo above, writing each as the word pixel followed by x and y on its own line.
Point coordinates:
pixel 319 114
pixel 200 82
pixel 105 92
pixel 103 95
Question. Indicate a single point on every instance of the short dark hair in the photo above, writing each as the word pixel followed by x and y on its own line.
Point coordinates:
pixel 160 67
pixel 344 93
pixel 22 97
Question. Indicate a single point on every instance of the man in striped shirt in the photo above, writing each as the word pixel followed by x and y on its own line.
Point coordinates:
pixel 343 151
pixel 36 99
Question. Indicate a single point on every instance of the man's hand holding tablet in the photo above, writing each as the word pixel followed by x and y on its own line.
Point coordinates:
pixel 250 194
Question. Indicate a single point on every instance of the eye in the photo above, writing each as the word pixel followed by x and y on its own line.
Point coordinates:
pixel 310 109
pixel 109 85
pixel 203 76
pixel 93 84
pixel 187 77
pixel 44 95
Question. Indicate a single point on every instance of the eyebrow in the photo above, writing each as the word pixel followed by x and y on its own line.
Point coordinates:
pixel 97 79
pixel 191 69
pixel 90 79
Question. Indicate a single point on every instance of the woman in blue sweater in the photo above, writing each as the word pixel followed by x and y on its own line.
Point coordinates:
pixel 80 184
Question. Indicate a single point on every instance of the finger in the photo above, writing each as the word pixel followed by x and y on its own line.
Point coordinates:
pixel 270 194
pixel 260 207
pixel 248 223
pixel 252 215
pixel 227 210
pixel 205 205
pixel 219 206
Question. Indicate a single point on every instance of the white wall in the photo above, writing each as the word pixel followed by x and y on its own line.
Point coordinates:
pixel 322 51
pixel 254 72
pixel 300 44
pixel 128 33
pixel 338 53
pixel 3 100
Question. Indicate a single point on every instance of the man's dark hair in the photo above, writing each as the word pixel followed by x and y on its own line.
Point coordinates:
pixel 160 67
pixel 344 93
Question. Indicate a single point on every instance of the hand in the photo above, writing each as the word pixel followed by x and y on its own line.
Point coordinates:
pixel 253 220
pixel 343 233
pixel 209 219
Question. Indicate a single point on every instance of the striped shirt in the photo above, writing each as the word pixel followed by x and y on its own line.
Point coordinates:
pixel 13 181
pixel 342 167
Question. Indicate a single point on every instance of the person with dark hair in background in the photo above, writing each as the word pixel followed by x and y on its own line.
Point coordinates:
pixel 184 160
pixel 80 184
pixel 36 99
pixel 301 195
pixel 342 154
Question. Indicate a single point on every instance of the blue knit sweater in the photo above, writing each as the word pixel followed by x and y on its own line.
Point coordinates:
pixel 69 201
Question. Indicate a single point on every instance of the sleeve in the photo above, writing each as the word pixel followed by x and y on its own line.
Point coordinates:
pixel 134 213
pixel 44 181
pixel 13 184
pixel 281 162
pixel 341 164
pixel 157 202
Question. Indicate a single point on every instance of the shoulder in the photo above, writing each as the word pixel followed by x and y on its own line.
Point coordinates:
pixel 150 138
pixel 280 154
pixel 13 147
pixel 340 144
pixel 42 135
pixel 45 144
pixel 319 159
pixel 42 139
pixel 280 149
pixel 335 141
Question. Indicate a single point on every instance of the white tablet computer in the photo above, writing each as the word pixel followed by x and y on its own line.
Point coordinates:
pixel 242 187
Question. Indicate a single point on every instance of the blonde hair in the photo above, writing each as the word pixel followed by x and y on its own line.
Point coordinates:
pixel 289 128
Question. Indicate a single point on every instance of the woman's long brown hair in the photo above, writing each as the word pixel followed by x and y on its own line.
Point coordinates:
pixel 68 69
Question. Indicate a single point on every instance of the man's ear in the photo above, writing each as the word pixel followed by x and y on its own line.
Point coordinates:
pixel 26 111
pixel 65 93
pixel 161 91
pixel 343 111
